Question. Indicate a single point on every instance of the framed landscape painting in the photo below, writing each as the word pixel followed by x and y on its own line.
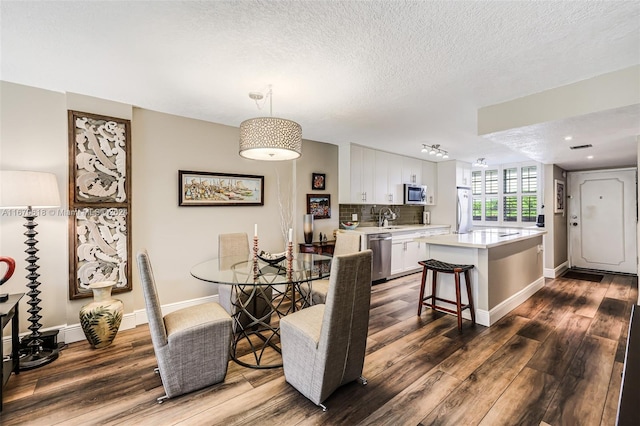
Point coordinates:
pixel 319 205
pixel 219 189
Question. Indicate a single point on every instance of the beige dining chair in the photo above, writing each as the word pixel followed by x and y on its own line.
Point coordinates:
pixel 234 248
pixel 191 344
pixel 323 346
pixel 346 242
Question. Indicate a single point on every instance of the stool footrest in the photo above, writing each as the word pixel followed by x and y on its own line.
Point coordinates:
pixel 442 308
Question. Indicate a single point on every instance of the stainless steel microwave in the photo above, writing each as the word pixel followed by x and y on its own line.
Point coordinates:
pixel 415 194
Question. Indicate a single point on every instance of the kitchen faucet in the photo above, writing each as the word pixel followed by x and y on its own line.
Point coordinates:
pixel 384 216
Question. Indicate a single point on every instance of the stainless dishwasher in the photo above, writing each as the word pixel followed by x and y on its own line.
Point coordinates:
pixel 380 245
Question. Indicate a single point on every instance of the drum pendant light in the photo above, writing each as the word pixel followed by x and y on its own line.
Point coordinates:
pixel 270 138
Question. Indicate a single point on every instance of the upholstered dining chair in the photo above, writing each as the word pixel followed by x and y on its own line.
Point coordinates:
pixel 346 243
pixel 233 248
pixel 323 346
pixel 191 344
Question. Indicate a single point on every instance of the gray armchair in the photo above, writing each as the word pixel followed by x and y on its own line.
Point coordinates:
pixel 233 248
pixel 323 346
pixel 191 344
pixel 346 243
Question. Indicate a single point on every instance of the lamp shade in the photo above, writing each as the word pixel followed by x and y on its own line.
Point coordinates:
pixel 270 139
pixel 19 189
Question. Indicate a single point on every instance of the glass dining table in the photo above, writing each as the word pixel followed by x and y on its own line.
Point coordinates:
pixel 262 293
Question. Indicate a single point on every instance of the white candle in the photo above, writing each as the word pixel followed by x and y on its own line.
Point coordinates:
pixel 290 235
pixel 255 230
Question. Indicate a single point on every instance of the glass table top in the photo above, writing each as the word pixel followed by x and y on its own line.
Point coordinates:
pixel 242 270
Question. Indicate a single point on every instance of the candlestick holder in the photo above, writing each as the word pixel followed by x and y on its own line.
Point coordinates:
pixel 290 261
pixel 255 257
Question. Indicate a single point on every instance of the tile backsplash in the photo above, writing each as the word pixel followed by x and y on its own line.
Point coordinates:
pixel 368 214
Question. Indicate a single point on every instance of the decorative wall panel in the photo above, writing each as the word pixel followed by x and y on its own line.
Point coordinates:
pixel 99 202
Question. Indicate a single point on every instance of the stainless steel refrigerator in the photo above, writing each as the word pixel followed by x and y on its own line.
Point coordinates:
pixel 463 210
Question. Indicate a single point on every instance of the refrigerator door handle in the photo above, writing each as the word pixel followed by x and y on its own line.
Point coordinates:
pixel 459 218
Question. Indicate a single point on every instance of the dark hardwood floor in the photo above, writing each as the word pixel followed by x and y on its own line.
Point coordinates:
pixel 556 359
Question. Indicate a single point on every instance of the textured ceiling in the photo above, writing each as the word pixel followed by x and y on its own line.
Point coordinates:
pixel 387 74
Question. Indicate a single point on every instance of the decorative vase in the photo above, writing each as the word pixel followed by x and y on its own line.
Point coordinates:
pixel 100 319
pixel 307 227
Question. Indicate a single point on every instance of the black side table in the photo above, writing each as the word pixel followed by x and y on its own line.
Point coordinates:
pixel 9 313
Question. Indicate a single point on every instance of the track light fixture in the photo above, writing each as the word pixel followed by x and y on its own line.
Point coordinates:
pixel 480 162
pixel 434 150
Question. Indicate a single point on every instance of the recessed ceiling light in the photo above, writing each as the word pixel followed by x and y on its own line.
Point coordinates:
pixel 568 138
pixel 589 157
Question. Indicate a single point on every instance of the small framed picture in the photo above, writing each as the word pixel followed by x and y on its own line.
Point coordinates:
pixel 319 205
pixel 558 206
pixel 317 181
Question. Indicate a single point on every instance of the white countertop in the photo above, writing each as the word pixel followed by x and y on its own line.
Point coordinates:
pixel 483 238
pixel 394 228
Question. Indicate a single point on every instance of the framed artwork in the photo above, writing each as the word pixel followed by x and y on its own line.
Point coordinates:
pixel 319 205
pixel 219 189
pixel 101 243
pixel 99 158
pixel 99 202
pixel 558 205
pixel 317 181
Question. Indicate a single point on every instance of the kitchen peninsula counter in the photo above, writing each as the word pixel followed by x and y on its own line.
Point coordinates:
pixel 508 267
pixel 483 238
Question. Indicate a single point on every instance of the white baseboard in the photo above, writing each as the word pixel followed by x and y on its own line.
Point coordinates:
pixel 514 301
pixel 559 270
pixel 70 333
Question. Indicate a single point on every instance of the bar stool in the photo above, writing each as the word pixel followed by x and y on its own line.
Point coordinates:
pixel 448 268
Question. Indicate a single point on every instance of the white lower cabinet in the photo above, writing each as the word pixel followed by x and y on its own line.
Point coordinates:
pixel 405 253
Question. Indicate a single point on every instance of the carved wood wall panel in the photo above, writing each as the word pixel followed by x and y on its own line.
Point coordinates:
pixel 99 202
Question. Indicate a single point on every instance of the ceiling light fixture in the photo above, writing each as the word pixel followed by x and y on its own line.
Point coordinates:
pixel 568 138
pixel 269 138
pixel 480 162
pixel 435 150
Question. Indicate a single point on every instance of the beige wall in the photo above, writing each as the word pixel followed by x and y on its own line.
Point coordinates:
pixel 34 137
pixel 317 158
pixel 512 267
pixel 556 251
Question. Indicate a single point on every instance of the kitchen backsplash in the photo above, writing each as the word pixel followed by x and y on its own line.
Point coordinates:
pixel 368 214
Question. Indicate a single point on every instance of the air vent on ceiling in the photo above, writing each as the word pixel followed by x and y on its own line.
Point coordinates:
pixel 580 146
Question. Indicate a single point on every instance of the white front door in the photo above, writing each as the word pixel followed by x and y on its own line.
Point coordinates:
pixel 601 210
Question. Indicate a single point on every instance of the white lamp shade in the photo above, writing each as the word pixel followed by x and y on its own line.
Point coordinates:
pixel 19 189
pixel 270 139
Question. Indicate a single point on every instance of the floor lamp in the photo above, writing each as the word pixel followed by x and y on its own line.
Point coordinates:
pixel 25 191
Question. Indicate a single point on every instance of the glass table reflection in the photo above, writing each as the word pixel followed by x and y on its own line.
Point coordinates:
pixel 263 293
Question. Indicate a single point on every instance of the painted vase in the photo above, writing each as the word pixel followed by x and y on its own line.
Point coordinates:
pixel 100 319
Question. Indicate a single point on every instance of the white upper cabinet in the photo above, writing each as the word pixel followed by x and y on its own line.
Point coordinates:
pixel 368 176
pixel 356 174
pixel 412 170
pixel 463 173
pixel 388 178
pixel 454 173
pixel 430 179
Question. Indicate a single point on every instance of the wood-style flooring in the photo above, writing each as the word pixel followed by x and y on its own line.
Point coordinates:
pixel 557 359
